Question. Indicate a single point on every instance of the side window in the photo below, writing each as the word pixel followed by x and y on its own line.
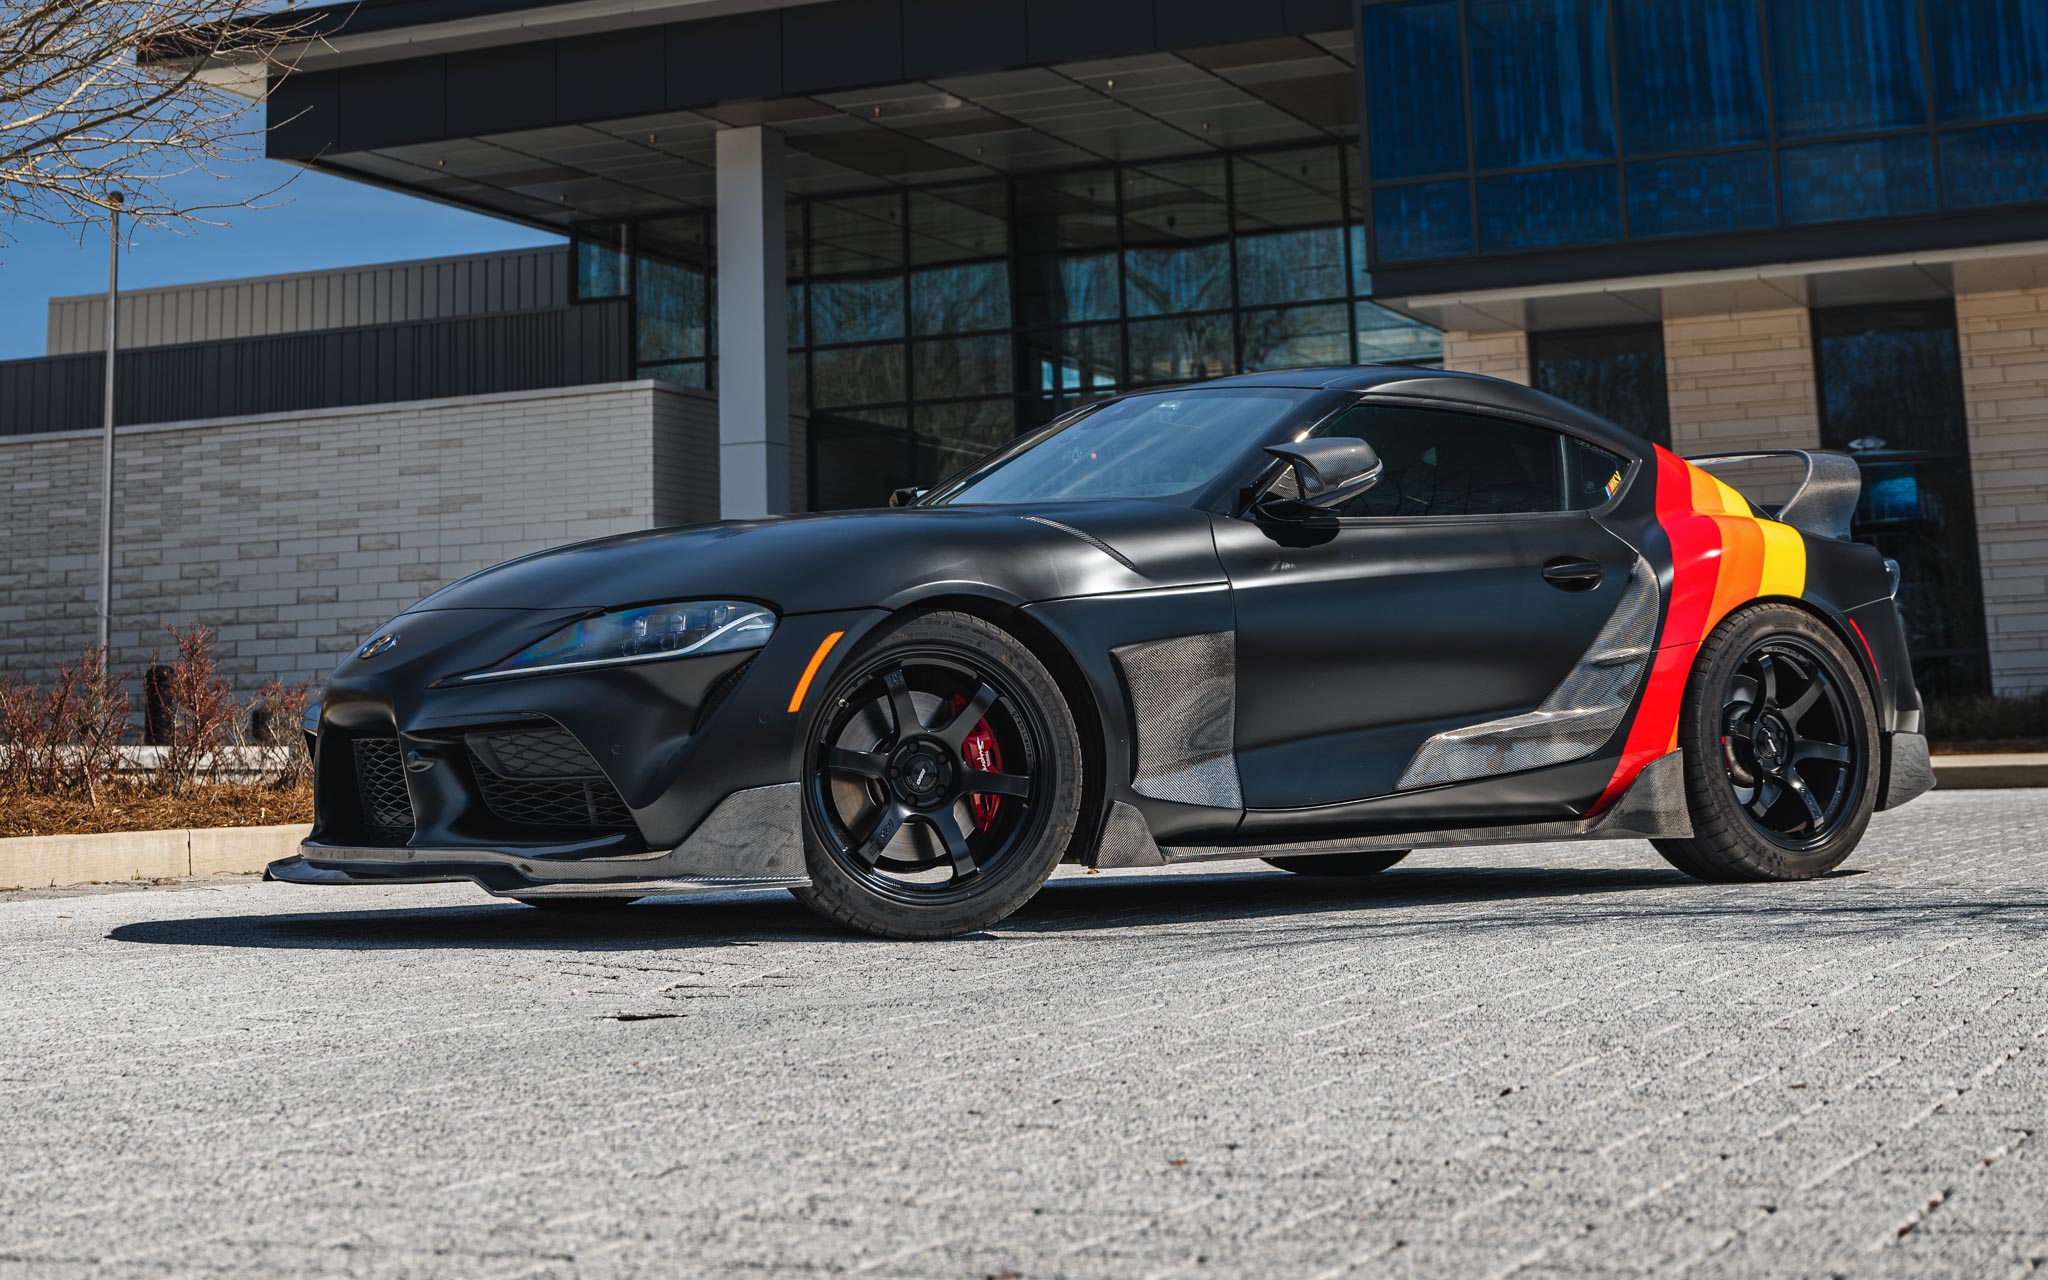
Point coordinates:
pixel 1443 463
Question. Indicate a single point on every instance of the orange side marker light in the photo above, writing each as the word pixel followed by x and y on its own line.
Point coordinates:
pixel 803 686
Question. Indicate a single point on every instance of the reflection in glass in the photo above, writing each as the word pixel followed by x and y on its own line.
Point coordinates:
pixel 601 258
pixel 1181 349
pixel 1075 363
pixel 856 310
pixel 1542 210
pixel 951 436
pixel 1066 236
pixel 672 312
pixel 1881 178
pixel 959 224
pixel 948 367
pixel 1414 110
pixel 857 375
pixel 1617 373
pixel 1176 232
pixel 963 299
pixel 1388 337
pixel 1297 337
pixel 1891 394
pixel 1290 266
pixel 1691 194
pixel 1540 92
pixel 1990 58
pixel 1691 74
pixel 681 373
pixel 1164 281
pixel 1430 220
pixel 2005 164
pixel 858 458
pixel 855 234
pixel 1841 66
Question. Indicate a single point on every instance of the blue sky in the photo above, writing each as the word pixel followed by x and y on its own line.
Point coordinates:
pixel 317 222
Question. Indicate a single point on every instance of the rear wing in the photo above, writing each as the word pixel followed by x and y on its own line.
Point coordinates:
pixel 1822 500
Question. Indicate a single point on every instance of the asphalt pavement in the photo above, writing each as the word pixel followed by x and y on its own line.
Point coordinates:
pixel 1536 1061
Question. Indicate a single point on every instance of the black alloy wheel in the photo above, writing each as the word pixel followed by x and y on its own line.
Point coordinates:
pixel 1787 744
pixel 941 781
pixel 1780 739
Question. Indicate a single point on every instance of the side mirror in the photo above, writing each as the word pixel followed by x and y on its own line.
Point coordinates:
pixel 1331 471
pixel 906 495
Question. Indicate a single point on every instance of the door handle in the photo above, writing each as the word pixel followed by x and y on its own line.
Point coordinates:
pixel 1569 573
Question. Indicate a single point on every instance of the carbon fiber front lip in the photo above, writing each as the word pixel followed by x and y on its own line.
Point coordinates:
pixel 331 866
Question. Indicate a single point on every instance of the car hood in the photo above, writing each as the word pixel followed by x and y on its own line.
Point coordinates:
pixel 862 559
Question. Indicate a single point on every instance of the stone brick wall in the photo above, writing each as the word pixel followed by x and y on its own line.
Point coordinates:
pixel 2004 345
pixel 295 535
pixel 1499 355
pixel 1741 381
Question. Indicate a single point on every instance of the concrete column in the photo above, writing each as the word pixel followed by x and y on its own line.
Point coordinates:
pixel 1742 380
pixel 1498 355
pixel 753 332
pixel 2004 344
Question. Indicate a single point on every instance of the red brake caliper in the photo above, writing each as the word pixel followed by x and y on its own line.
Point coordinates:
pixel 981 752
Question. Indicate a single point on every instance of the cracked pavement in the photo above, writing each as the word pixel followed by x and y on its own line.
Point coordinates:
pixel 1534 1061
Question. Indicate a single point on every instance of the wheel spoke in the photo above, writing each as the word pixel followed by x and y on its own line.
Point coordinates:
pixel 900 705
pixel 947 826
pixel 887 823
pixel 864 764
pixel 1804 702
pixel 1742 691
pixel 955 733
pixel 1834 752
pixel 1767 793
pixel 1767 667
pixel 976 782
pixel 1805 794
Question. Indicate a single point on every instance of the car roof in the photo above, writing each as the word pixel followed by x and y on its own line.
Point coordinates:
pixel 1441 384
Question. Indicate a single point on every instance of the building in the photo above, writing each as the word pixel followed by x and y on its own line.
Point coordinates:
pixel 911 228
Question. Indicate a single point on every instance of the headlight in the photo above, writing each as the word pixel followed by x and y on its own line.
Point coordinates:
pixel 688 628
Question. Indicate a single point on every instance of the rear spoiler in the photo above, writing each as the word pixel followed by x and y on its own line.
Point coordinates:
pixel 1825 498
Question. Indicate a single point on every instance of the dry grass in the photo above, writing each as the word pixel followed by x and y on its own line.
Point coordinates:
pixel 223 804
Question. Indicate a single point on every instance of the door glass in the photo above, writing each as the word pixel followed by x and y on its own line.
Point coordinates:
pixel 1441 463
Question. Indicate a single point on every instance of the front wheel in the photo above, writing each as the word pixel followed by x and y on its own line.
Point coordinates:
pixel 1338 864
pixel 1780 738
pixel 941 784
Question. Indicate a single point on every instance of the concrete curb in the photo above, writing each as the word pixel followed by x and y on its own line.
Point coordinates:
pixel 1980 773
pixel 35 862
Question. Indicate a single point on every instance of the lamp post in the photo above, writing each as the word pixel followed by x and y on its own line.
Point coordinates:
pixel 114 201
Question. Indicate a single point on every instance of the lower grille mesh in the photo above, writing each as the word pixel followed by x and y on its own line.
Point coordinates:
pixel 380 791
pixel 544 778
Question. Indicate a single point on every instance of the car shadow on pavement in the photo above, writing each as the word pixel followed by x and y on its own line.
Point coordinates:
pixel 1401 902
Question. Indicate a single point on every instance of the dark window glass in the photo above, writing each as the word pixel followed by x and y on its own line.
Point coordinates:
pixel 2005 164
pixel 1543 210
pixel 1841 66
pixel 1176 229
pixel 1695 194
pixel 851 235
pixel 1990 58
pixel 1149 446
pixel 1290 266
pixel 1432 220
pixel 1882 178
pixel 798 317
pixel 681 373
pixel 970 298
pixel 1891 394
pixel 1539 82
pixel 1075 364
pixel 1442 463
pixel 672 312
pixel 1388 337
pixel 1297 337
pixel 1414 88
pixel 856 310
pixel 948 367
pixel 858 459
pixel 1066 236
pixel 959 224
pixel 951 436
pixel 1617 373
pixel 601 258
pixel 857 375
pixel 1691 74
pixel 1181 349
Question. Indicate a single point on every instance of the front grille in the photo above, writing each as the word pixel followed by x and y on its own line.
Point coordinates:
pixel 380 791
pixel 544 778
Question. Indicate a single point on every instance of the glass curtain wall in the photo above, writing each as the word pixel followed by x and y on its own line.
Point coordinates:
pixel 929 325
pixel 1891 394
pixel 1617 373
pixel 1498 126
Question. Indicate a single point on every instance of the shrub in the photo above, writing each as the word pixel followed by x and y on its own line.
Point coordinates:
pixel 67 737
pixel 203 722
pixel 274 727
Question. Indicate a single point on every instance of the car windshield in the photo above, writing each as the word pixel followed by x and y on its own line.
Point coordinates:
pixel 1161 445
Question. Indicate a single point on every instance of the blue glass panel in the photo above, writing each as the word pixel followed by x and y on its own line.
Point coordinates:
pixel 670 312
pixel 1384 336
pixel 1692 74
pixel 1844 180
pixel 1290 266
pixel 1840 66
pixel 856 310
pixel 1542 210
pixel 1159 282
pixel 1539 82
pixel 1414 89
pixel 1361 275
pixel 1990 58
pixel 970 298
pixel 1433 220
pixel 2007 164
pixel 1728 192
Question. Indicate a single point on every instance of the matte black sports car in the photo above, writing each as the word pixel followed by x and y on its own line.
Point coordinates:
pixel 1320 618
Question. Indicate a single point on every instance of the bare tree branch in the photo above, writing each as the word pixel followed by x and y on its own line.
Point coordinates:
pixel 99 96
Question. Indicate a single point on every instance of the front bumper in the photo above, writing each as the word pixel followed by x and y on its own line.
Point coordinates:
pixel 752 839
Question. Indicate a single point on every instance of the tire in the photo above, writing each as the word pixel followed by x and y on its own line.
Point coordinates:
pixel 1338 864
pixel 1780 739
pixel 898 841
pixel 577 906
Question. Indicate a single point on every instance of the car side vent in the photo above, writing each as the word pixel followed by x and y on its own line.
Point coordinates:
pixel 1088 538
pixel 1578 717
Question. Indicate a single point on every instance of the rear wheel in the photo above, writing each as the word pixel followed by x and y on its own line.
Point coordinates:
pixel 1338 864
pixel 942 781
pixel 1779 735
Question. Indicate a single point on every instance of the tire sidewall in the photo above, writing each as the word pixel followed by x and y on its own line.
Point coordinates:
pixel 838 895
